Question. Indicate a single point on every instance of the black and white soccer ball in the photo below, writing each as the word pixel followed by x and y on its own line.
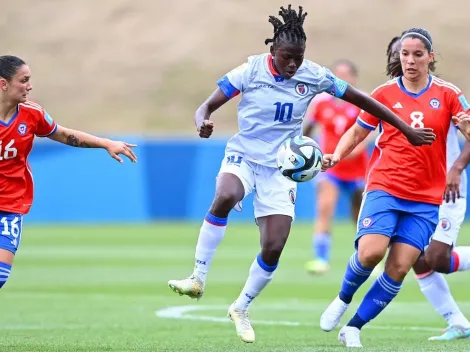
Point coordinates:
pixel 299 159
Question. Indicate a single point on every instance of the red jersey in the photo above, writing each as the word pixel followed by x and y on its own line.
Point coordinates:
pixel 16 142
pixel 396 166
pixel 335 117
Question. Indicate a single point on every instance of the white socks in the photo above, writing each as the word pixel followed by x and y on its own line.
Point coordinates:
pixel 437 291
pixel 260 276
pixel 211 234
pixel 461 258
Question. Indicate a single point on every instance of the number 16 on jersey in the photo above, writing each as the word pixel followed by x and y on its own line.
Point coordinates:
pixel 10 228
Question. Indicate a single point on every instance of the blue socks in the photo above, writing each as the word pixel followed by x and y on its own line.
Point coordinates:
pixel 4 273
pixel 322 246
pixel 382 292
pixel 354 277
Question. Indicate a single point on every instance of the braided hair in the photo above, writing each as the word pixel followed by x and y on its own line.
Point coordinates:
pixel 291 30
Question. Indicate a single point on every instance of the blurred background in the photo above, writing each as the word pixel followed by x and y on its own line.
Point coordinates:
pixel 137 70
pixel 102 239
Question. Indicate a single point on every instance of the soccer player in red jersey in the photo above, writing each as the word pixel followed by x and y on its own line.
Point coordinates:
pixel 20 121
pixel 335 117
pixel 441 256
pixel 404 185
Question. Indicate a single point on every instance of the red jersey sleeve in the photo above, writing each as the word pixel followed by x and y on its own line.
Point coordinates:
pixel 458 103
pixel 367 120
pixel 45 126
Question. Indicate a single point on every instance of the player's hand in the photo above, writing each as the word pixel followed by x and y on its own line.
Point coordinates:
pixel 452 185
pixel 205 130
pixel 329 160
pixel 462 120
pixel 115 148
pixel 420 136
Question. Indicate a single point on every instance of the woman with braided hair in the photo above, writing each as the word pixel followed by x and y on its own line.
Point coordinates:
pixel 276 88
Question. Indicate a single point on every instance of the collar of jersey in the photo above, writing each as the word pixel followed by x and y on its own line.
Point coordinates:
pixel 413 95
pixel 277 76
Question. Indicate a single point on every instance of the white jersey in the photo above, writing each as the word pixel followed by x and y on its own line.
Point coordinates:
pixel 453 152
pixel 272 108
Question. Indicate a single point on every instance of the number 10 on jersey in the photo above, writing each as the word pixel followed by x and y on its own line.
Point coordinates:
pixel 283 112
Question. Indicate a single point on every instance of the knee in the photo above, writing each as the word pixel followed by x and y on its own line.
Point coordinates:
pixel 438 260
pixel 225 200
pixel 421 267
pixel 369 257
pixel 397 271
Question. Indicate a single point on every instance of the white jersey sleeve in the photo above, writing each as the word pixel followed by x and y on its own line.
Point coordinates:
pixel 323 80
pixel 236 80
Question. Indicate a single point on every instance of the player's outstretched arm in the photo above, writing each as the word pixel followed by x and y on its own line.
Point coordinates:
pixel 416 136
pixel 80 139
pixel 202 117
pixel 350 140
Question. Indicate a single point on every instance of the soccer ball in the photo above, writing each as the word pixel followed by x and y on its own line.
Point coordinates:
pixel 299 159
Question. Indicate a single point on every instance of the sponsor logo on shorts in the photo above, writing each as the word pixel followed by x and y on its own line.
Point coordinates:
pixel 292 195
pixel 445 224
pixel 366 222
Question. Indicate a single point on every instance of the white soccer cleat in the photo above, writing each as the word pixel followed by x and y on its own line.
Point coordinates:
pixel 242 323
pixel 191 286
pixel 332 315
pixel 350 337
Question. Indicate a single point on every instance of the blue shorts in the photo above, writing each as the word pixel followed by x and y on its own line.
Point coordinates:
pixel 11 227
pixel 402 220
pixel 347 186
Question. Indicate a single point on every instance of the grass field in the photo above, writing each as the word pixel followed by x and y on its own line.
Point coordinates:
pixel 105 289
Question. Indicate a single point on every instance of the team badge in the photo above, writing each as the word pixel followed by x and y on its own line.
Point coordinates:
pixel 22 128
pixel 301 89
pixel 292 195
pixel 445 224
pixel 366 222
pixel 435 103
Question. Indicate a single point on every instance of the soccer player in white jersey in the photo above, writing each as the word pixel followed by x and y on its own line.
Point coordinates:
pixel 276 90
pixel 437 258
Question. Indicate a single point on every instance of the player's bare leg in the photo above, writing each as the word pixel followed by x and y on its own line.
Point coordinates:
pixel 371 250
pixel 274 230
pixel 229 191
pixel 327 197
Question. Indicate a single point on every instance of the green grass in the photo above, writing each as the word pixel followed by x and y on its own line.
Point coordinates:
pixel 98 289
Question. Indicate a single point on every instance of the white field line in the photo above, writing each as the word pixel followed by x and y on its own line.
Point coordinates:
pixel 183 313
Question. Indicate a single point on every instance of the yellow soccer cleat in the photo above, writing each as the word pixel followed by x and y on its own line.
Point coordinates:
pixel 191 286
pixel 242 323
